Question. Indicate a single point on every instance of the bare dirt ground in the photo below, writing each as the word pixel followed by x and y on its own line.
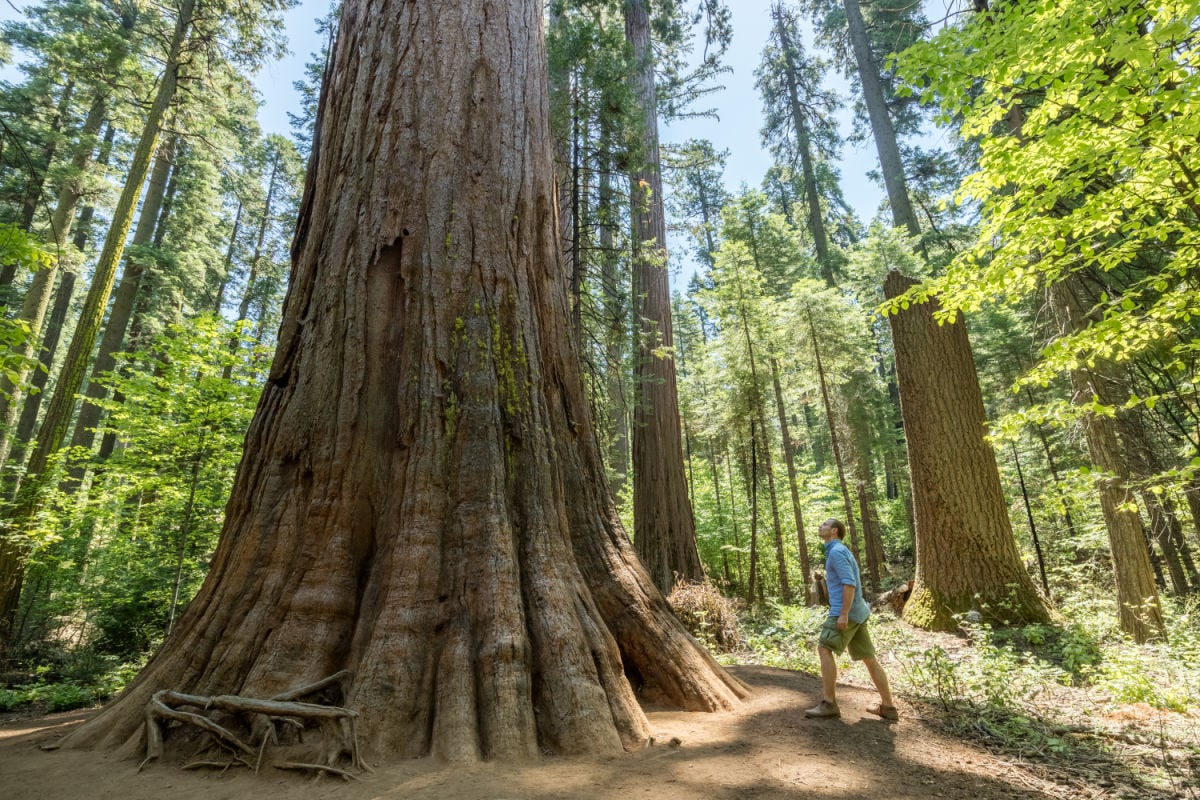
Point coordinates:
pixel 766 749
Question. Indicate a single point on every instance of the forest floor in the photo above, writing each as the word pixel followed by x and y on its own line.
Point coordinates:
pixel 765 749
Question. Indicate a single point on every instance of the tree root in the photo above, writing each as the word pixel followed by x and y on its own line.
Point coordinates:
pixel 337 725
pixel 319 767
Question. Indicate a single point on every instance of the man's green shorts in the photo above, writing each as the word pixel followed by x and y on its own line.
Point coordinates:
pixel 854 638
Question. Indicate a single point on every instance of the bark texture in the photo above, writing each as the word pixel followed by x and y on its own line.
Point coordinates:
pixel 422 500
pixel 664 530
pixel 1138 606
pixel 882 129
pixel 967 557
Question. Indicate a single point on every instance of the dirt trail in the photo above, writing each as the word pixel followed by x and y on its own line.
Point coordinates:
pixel 766 749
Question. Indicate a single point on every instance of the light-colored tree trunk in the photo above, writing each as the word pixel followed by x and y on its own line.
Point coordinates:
pixel 808 172
pixel 422 500
pixel 834 439
pixel 882 129
pixel 967 558
pixel 664 529
pixel 1138 606
pixel 789 458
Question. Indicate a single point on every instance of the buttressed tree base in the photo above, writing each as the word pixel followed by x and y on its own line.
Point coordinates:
pixel 421 501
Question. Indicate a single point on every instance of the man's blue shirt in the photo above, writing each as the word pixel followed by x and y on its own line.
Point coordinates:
pixel 841 570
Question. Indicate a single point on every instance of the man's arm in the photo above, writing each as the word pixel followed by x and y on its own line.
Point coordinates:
pixel 848 590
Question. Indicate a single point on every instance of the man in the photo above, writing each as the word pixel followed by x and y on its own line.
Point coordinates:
pixel 846 627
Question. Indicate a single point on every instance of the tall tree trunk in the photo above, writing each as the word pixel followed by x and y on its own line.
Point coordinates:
pixel 1137 597
pixel 816 220
pixel 664 530
pixel 59 411
pixel 223 282
pixel 251 290
pixel 752 584
pixel 422 499
pixel 1037 544
pixel 63 298
pixel 834 439
pixel 872 542
pixel 733 513
pixel 612 284
pixel 41 288
pixel 38 178
pixel 789 458
pixel 967 557
pixel 124 301
pixel 1052 465
pixel 881 122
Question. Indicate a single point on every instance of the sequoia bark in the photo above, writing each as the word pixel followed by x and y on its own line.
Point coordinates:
pixel 422 499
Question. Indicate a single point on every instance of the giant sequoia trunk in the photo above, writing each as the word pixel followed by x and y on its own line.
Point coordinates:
pixel 422 500
pixel 967 557
pixel 664 530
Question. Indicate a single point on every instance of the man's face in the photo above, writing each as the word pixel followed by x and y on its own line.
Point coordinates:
pixel 826 532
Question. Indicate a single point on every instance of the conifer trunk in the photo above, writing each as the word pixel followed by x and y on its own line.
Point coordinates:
pixel 967 557
pixel 664 529
pixel 816 220
pixel 892 166
pixel 41 288
pixel 789 457
pixel 124 302
pixel 422 500
pixel 1138 606
pixel 834 440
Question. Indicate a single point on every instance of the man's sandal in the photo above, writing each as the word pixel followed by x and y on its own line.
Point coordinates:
pixel 887 712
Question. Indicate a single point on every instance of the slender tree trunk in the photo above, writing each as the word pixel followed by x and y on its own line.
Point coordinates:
pixel 716 480
pixel 63 298
pixel 785 589
pixel 816 220
pixel 733 513
pixel 41 289
pixel 1052 465
pixel 664 529
pixel 834 440
pixel 1037 545
pixel 882 129
pixel 789 458
pixel 252 277
pixel 752 584
pixel 124 301
pixel 219 301
pixel 967 557
pixel 38 178
pixel 448 537
pixel 871 539
pixel 1137 598
pixel 612 284
pixel 185 532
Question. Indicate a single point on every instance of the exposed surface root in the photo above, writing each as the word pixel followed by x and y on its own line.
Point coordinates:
pixel 278 722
